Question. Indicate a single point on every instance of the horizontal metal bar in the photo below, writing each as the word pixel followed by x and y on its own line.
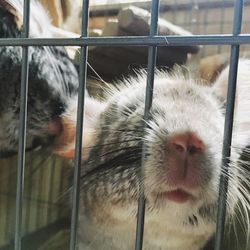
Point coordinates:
pixel 130 41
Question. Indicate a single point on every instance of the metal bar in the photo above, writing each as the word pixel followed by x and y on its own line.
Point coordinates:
pixel 22 129
pixel 79 129
pixel 205 25
pixel 222 23
pixel 148 103
pixel 226 39
pixel 226 151
pixel 191 15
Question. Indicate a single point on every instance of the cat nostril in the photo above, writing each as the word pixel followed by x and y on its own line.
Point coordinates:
pixel 180 148
pixel 193 150
pixel 188 143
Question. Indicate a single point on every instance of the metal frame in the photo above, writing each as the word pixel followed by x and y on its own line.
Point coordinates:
pixel 22 129
pixel 226 39
pixel 228 128
pixel 148 103
pixel 79 128
pixel 235 40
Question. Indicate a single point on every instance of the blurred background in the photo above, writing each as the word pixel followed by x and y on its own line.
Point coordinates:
pixel 178 17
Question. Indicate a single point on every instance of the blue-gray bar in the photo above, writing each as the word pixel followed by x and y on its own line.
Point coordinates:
pixel 148 103
pixel 79 129
pixel 22 129
pixel 225 39
pixel 226 151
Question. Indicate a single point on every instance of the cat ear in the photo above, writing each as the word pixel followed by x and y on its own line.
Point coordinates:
pixel 241 131
pixel 220 85
pixel 65 143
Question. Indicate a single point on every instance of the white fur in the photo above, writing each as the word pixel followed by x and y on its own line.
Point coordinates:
pixel 73 21
pixel 241 133
pixel 39 19
pixel 112 227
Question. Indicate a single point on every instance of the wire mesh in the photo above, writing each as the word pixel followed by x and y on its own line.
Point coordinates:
pixel 22 130
pixel 148 103
pixel 131 41
pixel 235 40
pixel 226 151
pixel 79 127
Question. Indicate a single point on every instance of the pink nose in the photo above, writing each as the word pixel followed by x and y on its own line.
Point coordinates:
pixel 187 143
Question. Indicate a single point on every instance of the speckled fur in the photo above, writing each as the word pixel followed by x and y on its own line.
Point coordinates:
pixel 53 79
pixel 110 180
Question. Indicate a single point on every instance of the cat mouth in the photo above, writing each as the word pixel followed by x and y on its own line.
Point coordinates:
pixel 179 196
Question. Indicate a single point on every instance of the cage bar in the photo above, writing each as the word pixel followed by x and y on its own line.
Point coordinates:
pixel 152 41
pixel 205 23
pixel 148 103
pixel 227 39
pixel 22 129
pixel 228 127
pixel 222 22
pixel 79 129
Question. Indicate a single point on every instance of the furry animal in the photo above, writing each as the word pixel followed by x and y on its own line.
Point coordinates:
pixel 181 170
pixel 53 80
pixel 182 139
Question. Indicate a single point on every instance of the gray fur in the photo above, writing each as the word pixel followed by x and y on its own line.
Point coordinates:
pixel 52 83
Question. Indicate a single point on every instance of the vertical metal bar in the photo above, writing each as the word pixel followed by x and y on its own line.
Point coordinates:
pixel 196 21
pixel 22 128
pixel 238 9
pixel 205 23
pixel 191 14
pixel 79 128
pixel 148 103
pixel 222 23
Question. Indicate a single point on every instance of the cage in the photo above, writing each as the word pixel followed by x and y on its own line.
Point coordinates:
pixel 37 187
